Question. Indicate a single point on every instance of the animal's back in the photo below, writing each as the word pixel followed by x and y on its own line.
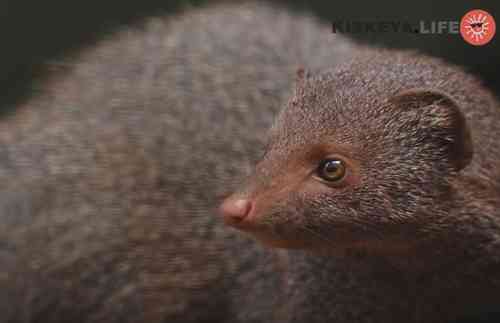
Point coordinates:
pixel 110 171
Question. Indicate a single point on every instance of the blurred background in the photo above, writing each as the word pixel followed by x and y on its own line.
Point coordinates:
pixel 34 32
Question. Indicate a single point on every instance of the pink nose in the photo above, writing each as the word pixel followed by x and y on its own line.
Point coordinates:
pixel 235 210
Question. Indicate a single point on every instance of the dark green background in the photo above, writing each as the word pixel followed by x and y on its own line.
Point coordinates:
pixel 34 31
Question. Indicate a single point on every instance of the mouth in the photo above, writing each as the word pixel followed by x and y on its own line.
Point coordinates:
pixel 270 235
pixel 268 238
pixel 246 224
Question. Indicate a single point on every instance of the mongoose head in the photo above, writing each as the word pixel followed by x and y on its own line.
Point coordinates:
pixel 361 157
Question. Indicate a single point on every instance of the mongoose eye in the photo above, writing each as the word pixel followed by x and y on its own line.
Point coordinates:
pixel 332 170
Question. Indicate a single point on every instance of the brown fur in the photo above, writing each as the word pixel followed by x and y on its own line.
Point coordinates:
pixel 110 173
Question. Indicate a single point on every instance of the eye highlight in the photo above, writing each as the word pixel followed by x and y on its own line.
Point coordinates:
pixel 332 170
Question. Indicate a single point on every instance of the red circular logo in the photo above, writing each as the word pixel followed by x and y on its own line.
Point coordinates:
pixel 477 27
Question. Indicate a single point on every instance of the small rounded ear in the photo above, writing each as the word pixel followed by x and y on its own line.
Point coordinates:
pixel 441 118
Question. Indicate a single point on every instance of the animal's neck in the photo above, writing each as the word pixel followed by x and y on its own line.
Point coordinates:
pixel 376 289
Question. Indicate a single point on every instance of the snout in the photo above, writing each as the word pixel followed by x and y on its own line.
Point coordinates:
pixel 235 210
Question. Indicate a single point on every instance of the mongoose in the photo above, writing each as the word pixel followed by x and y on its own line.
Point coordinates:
pixel 380 180
pixel 111 172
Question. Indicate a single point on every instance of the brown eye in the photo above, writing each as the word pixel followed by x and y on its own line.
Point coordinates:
pixel 332 170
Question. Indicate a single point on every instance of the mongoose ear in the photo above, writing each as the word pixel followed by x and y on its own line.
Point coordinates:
pixel 442 119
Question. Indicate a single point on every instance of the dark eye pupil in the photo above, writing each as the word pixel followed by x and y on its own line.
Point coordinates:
pixel 333 166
